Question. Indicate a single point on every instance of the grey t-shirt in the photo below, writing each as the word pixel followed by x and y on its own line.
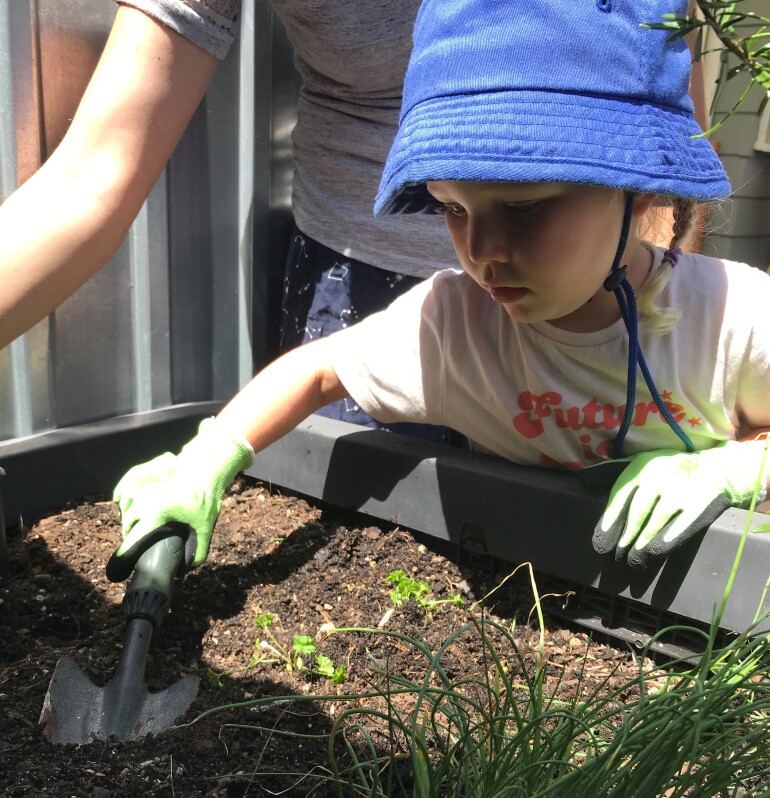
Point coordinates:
pixel 352 57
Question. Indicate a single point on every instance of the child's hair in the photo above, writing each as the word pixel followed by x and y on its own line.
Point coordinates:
pixel 661 320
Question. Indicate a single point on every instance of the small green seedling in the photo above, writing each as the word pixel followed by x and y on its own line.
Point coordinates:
pixel 216 679
pixel 296 659
pixel 408 588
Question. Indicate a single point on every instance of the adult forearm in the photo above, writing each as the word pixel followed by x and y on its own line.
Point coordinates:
pixel 56 231
pixel 65 222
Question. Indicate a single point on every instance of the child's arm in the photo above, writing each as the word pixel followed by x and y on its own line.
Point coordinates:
pixel 188 488
pixel 283 394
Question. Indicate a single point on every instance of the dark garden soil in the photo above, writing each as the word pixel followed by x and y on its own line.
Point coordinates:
pixel 314 568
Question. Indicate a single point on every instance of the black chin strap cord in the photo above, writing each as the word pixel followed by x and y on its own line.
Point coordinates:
pixel 617 282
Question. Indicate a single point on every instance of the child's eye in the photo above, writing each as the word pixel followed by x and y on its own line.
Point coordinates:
pixel 451 208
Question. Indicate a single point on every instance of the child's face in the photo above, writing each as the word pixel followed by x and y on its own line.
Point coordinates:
pixel 542 250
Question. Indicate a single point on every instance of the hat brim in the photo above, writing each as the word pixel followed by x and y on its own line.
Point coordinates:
pixel 537 136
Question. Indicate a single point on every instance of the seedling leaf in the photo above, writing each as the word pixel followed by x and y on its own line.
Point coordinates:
pixel 324 665
pixel 303 644
pixel 265 620
pixel 215 679
pixel 339 675
pixel 406 587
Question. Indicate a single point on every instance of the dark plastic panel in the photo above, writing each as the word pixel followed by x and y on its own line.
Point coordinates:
pixel 480 503
pixel 47 470
pixel 4 564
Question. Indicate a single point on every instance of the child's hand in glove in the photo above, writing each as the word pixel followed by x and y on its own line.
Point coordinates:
pixel 663 498
pixel 187 488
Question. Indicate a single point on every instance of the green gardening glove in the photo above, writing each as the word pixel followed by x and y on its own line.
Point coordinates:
pixel 664 498
pixel 187 489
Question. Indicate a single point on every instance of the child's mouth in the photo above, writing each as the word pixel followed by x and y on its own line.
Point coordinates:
pixel 507 295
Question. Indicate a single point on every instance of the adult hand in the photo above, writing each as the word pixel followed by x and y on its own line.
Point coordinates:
pixel 187 488
pixel 664 498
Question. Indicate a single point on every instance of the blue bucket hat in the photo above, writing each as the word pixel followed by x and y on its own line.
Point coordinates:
pixel 573 91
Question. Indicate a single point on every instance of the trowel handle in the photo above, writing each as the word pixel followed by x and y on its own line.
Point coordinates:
pixel 149 593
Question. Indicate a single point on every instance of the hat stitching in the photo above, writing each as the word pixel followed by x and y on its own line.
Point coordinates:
pixel 463 160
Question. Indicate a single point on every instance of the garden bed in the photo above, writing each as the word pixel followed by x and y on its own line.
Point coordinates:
pixel 277 560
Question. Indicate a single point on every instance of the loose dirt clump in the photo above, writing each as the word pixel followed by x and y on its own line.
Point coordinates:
pixel 311 569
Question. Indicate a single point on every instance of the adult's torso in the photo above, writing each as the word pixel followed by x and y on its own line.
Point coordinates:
pixel 352 56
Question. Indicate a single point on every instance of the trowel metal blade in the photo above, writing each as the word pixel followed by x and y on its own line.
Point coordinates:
pixel 77 711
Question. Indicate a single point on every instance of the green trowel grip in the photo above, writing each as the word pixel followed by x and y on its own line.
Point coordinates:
pixel 149 593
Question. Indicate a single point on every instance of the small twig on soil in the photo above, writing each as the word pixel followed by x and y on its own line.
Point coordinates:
pixel 385 618
pixel 219 736
pixel 299 781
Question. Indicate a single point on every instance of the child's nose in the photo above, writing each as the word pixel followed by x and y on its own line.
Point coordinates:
pixel 488 240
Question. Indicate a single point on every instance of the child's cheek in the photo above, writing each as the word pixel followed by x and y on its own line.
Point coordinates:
pixel 457 233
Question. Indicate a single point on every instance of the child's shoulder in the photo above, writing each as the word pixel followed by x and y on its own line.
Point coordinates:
pixel 720 295
pixel 445 293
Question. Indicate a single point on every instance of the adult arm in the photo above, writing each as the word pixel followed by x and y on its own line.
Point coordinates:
pixel 70 217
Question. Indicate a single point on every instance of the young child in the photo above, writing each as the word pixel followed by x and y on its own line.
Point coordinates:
pixel 543 132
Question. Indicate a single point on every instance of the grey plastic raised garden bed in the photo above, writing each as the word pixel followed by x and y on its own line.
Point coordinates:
pixel 48 469
pixel 482 504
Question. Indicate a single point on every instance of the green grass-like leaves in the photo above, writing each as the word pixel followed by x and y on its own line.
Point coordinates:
pixel 738 31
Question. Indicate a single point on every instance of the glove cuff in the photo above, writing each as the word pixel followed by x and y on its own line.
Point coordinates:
pixel 218 451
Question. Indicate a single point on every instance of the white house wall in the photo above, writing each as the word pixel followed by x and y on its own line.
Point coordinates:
pixel 740 227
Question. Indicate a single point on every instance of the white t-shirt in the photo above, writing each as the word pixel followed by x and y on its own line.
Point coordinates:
pixel 446 353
